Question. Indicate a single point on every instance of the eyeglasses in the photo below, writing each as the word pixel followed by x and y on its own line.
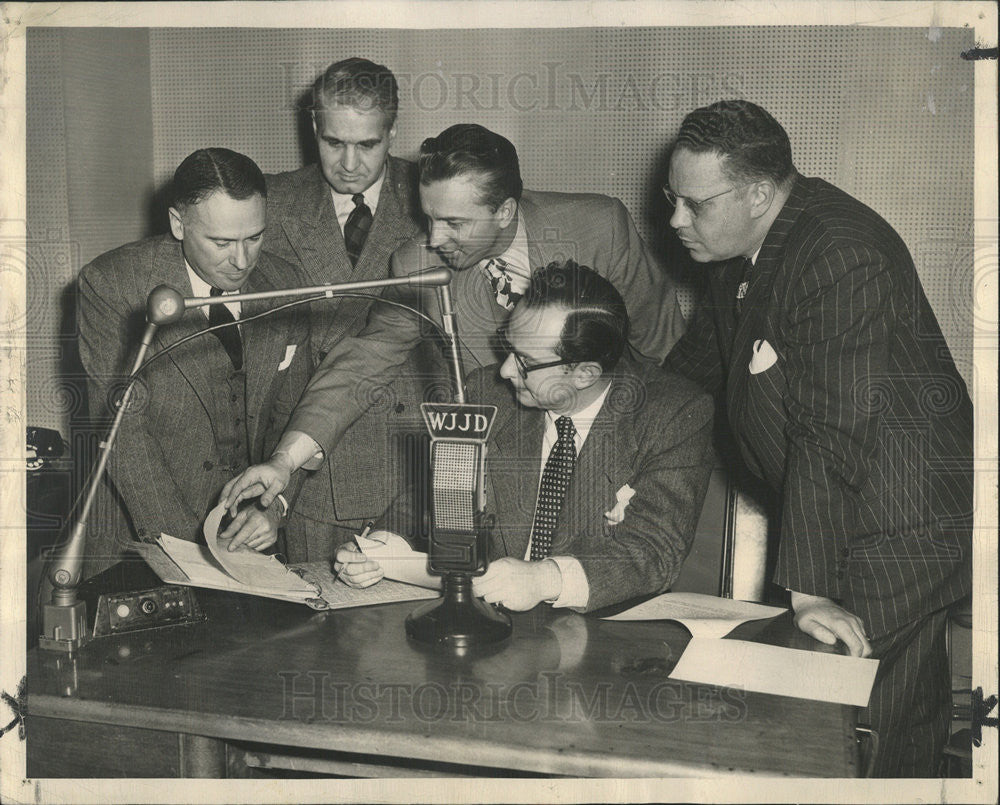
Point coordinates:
pixel 696 207
pixel 522 367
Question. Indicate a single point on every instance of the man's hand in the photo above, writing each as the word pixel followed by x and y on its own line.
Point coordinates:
pixel 354 568
pixel 828 622
pixel 254 527
pixel 517 584
pixel 268 480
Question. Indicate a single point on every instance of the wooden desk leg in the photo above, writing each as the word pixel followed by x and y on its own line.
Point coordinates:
pixel 201 756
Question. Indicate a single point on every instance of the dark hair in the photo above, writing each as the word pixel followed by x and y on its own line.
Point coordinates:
pixel 753 144
pixel 359 83
pixel 467 148
pixel 210 169
pixel 597 326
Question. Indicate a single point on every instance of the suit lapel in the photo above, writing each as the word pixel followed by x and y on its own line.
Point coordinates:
pixel 169 269
pixel 753 323
pixel 312 230
pixel 265 340
pixel 515 461
pixel 605 460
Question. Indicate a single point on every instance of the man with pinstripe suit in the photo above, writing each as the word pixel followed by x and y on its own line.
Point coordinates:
pixel 842 395
pixel 213 405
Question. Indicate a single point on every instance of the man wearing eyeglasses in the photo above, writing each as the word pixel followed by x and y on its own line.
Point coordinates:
pixel 842 395
pixel 482 223
pixel 597 466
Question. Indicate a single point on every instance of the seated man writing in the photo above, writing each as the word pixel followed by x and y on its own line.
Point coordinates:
pixel 596 466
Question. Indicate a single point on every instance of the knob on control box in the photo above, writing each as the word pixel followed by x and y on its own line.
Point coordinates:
pixel 133 611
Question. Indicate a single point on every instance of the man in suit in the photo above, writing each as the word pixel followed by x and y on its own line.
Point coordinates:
pixel 596 466
pixel 844 398
pixel 340 220
pixel 213 405
pixel 493 233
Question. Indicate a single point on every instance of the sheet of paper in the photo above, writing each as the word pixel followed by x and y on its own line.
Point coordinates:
pixel 773 669
pixel 702 615
pixel 399 561
pixel 254 569
pixel 339 596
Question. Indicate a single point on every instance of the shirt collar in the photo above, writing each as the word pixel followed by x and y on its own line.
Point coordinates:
pixel 200 288
pixel 343 203
pixel 582 419
pixel 516 257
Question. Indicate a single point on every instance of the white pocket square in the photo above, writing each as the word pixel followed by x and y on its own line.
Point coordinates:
pixel 617 513
pixel 287 360
pixel 763 358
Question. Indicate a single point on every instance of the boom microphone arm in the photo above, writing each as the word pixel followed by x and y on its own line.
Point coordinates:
pixel 64 617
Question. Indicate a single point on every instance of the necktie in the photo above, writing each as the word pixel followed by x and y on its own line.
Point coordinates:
pixel 229 337
pixel 744 284
pixel 552 490
pixel 496 270
pixel 356 227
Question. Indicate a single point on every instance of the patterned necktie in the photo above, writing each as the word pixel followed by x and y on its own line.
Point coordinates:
pixel 229 337
pixel 499 276
pixel 744 284
pixel 552 491
pixel 356 228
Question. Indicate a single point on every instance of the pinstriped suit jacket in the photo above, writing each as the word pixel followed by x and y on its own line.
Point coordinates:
pixel 592 229
pixel 653 433
pixel 863 425
pixel 302 228
pixel 166 469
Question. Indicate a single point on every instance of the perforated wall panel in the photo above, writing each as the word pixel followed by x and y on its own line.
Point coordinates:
pixel 884 113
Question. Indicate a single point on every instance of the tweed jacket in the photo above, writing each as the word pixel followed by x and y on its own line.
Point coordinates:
pixel 653 434
pixel 862 424
pixel 166 471
pixel 592 229
pixel 302 228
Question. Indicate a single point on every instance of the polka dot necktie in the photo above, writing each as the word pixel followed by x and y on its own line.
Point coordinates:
pixel 229 336
pixel 499 276
pixel 552 491
pixel 356 227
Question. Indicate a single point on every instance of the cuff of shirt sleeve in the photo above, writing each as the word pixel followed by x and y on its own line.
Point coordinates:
pixel 575 587
pixel 301 449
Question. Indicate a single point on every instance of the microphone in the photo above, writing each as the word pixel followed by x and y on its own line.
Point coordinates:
pixel 64 617
pixel 460 531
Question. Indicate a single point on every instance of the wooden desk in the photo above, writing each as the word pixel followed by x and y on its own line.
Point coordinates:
pixel 266 683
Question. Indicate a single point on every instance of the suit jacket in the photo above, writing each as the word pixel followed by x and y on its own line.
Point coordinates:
pixel 863 425
pixel 166 470
pixel 303 229
pixel 653 433
pixel 594 230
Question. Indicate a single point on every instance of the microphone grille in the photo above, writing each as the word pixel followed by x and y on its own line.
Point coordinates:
pixel 455 471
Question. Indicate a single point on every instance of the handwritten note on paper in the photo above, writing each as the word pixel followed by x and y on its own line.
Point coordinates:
pixel 702 615
pixel 399 561
pixel 773 669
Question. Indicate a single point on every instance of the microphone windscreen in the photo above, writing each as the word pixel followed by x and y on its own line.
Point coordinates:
pixel 439 275
pixel 164 305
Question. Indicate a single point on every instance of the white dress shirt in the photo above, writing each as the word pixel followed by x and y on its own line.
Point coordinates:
pixel 201 288
pixel 575 587
pixel 516 258
pixel 343 203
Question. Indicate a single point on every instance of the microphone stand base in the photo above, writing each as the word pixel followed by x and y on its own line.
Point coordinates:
pixel 64 627
pixel 459 622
